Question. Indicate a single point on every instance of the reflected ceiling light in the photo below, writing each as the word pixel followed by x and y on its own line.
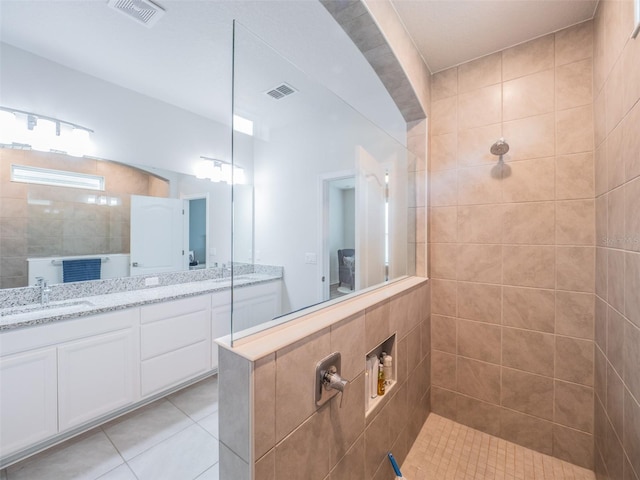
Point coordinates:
pixel 21 129
pixel 218 170
pixel 242 125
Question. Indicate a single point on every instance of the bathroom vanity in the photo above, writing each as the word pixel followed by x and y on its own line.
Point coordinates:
pixel 76 364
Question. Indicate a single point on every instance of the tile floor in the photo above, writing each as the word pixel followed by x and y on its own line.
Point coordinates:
pixel 446 450
pixel 174 438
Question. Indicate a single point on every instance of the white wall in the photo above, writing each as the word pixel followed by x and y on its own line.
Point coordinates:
pixel 336 230
pixel 129 127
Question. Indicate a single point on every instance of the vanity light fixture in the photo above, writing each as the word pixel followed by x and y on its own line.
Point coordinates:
pixel 22 129
pixel 218 170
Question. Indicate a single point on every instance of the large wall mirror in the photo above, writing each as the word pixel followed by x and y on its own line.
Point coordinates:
pixel 303 182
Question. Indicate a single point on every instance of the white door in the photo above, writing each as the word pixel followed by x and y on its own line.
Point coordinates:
pixel 370 220
pixel 158 235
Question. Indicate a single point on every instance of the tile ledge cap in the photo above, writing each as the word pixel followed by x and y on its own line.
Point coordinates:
pixel 286 332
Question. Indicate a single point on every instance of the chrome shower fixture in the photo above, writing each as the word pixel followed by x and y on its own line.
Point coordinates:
pixel 500 147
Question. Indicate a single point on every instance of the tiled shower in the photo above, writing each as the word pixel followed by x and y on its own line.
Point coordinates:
pixel 535 264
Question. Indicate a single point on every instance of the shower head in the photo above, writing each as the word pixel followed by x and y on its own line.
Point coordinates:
pixel 500 147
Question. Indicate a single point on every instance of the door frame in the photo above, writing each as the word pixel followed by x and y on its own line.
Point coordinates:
pixel 197 196
pixel 324 256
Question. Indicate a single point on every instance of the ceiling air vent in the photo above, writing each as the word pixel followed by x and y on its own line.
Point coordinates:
pixel 281 91
pixel 142 11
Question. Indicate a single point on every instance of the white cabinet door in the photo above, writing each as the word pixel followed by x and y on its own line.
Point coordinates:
pixel 28 399
pixel 96 376
pixel 220 321
pixel 255 304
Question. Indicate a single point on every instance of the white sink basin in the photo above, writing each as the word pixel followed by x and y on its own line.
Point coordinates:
pixel 53 308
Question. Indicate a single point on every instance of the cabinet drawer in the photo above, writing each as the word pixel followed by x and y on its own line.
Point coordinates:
pixel 172 368
pixel 164 336
pixel 175 308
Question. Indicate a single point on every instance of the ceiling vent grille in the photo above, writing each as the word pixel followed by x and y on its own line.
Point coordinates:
pixel 281 91
pixel 142 11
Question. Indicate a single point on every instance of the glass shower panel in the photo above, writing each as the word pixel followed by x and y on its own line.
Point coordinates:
pixel 330 192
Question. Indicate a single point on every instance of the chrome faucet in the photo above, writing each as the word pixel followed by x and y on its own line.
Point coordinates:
pixel 44 290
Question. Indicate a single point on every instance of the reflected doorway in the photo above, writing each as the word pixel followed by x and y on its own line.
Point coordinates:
pixel 339 227
pixel 197 230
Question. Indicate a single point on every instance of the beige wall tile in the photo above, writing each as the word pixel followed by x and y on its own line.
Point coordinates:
pixel 574 406
pixel 599 118
pixel 477 414
pixel 351 465
pixel 574 43
pixel 443 333
pixel 480 73
pixel 376 325
pixel 444 188
pixel 266 467
pixel 443 297
pixel 632 436
pixel 444 260
pixel 601 272
pixel 528 431
pixel 632 215
pixel 615 281
pixel 574 84
pixel 478 185
pixel 443 402
pixel 575 176
pixel 444 116
pixel 530 181
pixel 528 96
pixel 529 351
pixel 529 223
pixel 444 224
pixel 615 158
pixel 479 380
pixel 302 453
pixel 615 218
pixel 602 203
pixel 632 287
pixel 347 418
pixel 574 360
pixel 575 314
pixel 531 137
pixel 574 130
pixel 575 222
pixel 630 75
pixel 443 152
pixel 480 302
pixel 529 266
pixel 295 395
pixel 615 339
pixel 444 84
pixel 614 96
pixel 480 107
pixel 529 308
pixel 631 143
pixel 600 165
pixel 488 350
pixel 443 370
pixel 480 223
pixel 480 263
pixel 573 446
pixel 474 145
pixel 631 357
pixel 527 58
pixel 375 443
pixel 264 384
pixel 527 393
pixel 575 269
pixel 235 398
pixel 347 337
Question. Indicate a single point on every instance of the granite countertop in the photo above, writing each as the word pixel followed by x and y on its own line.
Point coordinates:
pixel 30 315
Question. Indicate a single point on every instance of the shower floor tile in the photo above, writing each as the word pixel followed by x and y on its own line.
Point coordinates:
pixel 446 450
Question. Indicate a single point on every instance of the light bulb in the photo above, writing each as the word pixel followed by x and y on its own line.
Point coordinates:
pixel 44 135
pixel 78 143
